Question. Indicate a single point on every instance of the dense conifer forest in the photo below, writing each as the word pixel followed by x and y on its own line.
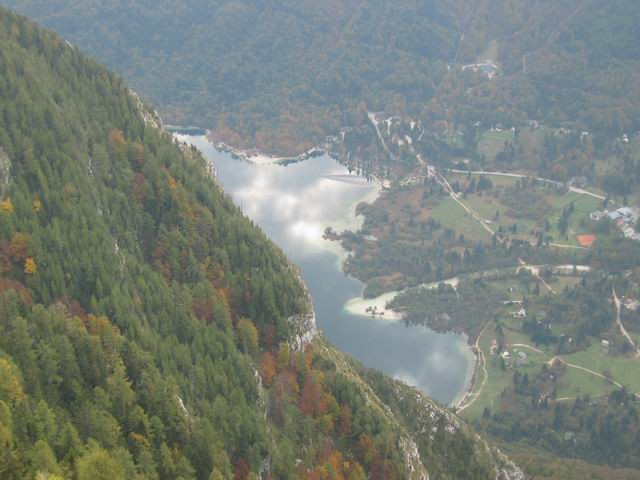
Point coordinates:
pixel 148 329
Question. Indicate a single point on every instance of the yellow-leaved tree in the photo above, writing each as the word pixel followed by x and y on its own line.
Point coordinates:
pixel 6 206
pixel 10 384
pixel 30 266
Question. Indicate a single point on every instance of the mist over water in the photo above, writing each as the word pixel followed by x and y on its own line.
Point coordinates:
pixel 293 204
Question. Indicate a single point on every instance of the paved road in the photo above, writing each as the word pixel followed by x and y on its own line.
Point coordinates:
pixel 575 247
pixel 518 175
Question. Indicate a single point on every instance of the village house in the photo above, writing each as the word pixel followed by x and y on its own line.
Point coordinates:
pixel 506 358
pixel 605 347
pixel 631 304
pixel 614 216
pixel 488 69
pixel 512 302
pixel 494 347
pixel 625 218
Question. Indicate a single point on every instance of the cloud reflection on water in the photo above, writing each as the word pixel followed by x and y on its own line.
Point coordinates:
pixel 304 214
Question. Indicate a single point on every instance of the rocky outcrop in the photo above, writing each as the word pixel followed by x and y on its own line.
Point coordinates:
pixel 304 330
pixel 432 423
pixel 151 117
pixel 303 325
pixel 443 444
pixel 5 173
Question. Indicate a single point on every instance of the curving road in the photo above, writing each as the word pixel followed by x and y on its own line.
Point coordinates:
pixel 618 304
pixel 472 395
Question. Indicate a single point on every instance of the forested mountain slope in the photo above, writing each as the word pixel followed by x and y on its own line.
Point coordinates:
pixel 280 75
pixel 574 61
pixel 148 330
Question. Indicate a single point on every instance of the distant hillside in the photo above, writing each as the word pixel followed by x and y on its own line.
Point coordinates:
pixel 570 61
pixel 281 75
pixel 276 74
pixel 148 330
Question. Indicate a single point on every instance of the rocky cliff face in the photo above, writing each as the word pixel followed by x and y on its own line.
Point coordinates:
pixel 5 172
pixel 304 324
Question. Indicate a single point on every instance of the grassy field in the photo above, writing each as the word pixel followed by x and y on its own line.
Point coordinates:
pixel 624 370
pixel 496 180
pixel 492 142
pixel 487 203
pixel 583 205
pixel 451 215
pixel 454 139
pixel 489 53
pixel 487 207
pixel 514 289
pixel 574 382
pixel 558 283
pixel 495 135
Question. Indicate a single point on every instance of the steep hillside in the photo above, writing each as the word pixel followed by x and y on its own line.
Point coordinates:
pixel 147 329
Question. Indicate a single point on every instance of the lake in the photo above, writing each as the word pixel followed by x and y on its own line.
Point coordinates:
pixel 293 204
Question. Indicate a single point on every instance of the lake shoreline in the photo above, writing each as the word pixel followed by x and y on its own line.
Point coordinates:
pixel 258 158
pixel 376 308
pixel 310 196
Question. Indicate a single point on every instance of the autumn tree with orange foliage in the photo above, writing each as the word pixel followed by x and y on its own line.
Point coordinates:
pixel 117 143
pixel 310 397
pixel 268 368
pixel 241 470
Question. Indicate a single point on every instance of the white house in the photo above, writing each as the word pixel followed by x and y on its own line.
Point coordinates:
pixel 522 313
